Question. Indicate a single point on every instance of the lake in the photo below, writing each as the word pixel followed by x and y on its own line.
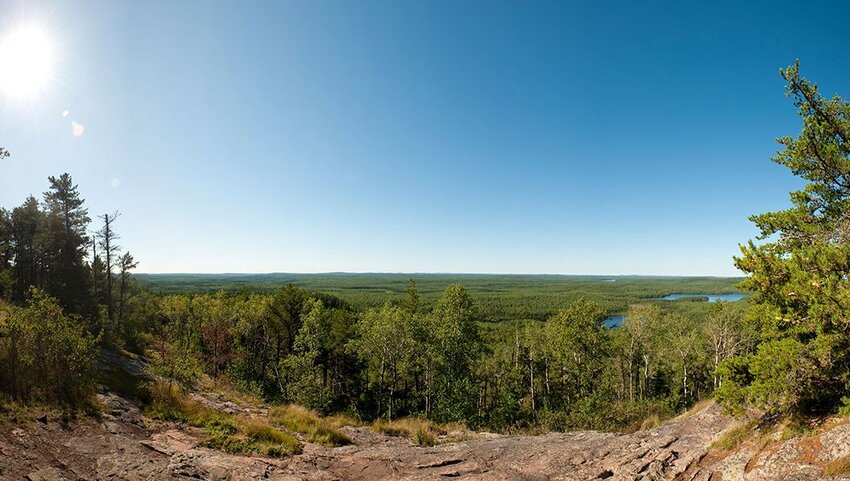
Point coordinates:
pixel 711 297
pixel 616 320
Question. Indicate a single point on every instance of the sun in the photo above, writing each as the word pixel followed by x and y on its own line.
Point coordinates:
pixel 26 62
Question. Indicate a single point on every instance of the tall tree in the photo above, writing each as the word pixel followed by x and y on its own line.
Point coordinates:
pixel 67 221
pixel 126 263
pixel 411 298
pixel 28 248
pixel 457 345
pixel 799 268
pixel 6 254
pixel 108 241
pixel 386 343
pixel 576 341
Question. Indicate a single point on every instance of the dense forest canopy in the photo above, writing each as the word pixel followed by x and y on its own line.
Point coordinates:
pixel 500 297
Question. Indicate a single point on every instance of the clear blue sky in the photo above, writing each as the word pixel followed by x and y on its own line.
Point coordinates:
pixel 438 136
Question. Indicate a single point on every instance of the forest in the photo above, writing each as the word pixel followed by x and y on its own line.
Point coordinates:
pixel 436 355
pixel 477 355
pixel 498 297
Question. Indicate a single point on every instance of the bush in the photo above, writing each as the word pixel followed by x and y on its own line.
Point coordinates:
pixel 423 437
pixel 47 355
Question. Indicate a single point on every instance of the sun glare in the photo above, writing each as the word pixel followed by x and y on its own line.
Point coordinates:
pixel 26 62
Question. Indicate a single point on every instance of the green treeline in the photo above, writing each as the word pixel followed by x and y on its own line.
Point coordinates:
pixel 70 294
pixel 443 363
pixel 73 291
pixel 498 297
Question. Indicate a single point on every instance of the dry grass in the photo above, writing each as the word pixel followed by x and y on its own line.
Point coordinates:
pixel 224 431
pixel 403 427
pixel 696 408
pixel 340 420
pixel 798 428
pixel 225 386
pixel 422 432
pixel 650 422
pixel 837 466
pixel 307 422
pixel 733 437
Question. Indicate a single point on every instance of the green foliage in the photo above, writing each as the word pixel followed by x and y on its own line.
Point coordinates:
pixel 456 347
pixel 799 271
pixel 497 297
pixel 47 355
pixel 387 343
pixel 576 347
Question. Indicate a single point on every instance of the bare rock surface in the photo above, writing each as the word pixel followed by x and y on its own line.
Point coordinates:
pixel 120 445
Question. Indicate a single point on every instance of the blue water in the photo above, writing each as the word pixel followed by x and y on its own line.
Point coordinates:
pixel 615 320
pixel 711 297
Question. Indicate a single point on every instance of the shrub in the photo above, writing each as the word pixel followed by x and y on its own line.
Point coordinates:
pixel 47 355
pixel 423 437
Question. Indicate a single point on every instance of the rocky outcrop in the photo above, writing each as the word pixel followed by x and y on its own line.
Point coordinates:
pixel 122 445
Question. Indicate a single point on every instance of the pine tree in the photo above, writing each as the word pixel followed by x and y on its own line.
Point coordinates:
pixel 67 278
pixel 798 271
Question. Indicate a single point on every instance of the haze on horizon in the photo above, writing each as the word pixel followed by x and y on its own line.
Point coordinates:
pixel 554 137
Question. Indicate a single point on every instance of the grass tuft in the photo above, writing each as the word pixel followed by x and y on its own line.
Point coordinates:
pixel 837 466
pixel 224 431
pixel 650 422
pixel 421 431
pixel 423 437
pixel 733 437
pixel 307 422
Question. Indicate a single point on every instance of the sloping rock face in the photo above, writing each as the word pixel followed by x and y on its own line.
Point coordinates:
pixel 772 459
pixel 120 445
pixel 661 453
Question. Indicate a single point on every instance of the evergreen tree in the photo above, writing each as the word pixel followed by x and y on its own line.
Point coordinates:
pixel 67 278
pixel 7 254
pixel 28 247
pixel 798 271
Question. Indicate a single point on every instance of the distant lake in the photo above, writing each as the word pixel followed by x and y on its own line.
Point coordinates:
pixel 711 297
pixel 615 320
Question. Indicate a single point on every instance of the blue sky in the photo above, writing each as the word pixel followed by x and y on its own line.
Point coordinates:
pixel 439 136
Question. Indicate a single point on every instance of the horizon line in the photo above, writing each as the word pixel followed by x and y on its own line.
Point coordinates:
pixel 430 273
